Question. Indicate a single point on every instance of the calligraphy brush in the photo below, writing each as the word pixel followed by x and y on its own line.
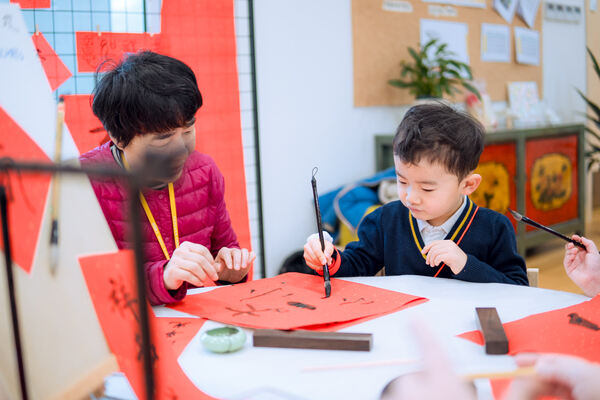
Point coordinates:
pixel 326 280
pixel 60 117
pixel 523 218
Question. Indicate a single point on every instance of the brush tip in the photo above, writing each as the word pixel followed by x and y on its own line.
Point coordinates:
pixel 516 215
pixel 327 289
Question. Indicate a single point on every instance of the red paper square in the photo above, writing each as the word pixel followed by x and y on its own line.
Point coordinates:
pixel 85 128
pixel 56 71
pixel 27 192
pixel 110 279
pixel 32 3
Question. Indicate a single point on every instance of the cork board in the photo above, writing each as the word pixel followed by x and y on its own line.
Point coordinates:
pixel 381 38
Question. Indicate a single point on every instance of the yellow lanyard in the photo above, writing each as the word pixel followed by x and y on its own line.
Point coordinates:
pixel 153 221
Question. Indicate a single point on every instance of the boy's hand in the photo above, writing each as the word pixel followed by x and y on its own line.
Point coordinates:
pixel 190 262
pixel 445 251
pixel 233 264
pixel 583 266
pixel 314 257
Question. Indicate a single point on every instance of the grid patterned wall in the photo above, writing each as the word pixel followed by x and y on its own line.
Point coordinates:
pixel 60 22
pixel 244 54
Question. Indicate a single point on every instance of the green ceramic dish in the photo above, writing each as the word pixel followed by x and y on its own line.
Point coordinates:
pixel 223 340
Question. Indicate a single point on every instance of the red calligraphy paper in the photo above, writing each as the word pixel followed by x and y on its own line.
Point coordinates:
pixel 32 3
pixel 500 387
pixel 85 128
pixel 294 300
pixel 27 193
pixel 110 279
pixel 573 330
pixel 208 28
pixel 56 71
pixel 94 48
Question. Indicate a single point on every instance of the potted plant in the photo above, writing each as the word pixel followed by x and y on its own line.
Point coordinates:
pixel 433 72
pixel 593 152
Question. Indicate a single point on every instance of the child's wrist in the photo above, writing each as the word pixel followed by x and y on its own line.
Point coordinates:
pixel 460 264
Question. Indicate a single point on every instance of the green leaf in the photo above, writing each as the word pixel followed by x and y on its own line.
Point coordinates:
pixel 596 67
pixel 414 55
pixel 454 73
pixel 594 147
pixel 431 42
pixel 472 89
pixel 591 163
pixel 590 103
pixel 408 69
pixel 593 133
pixel 441 49
pixel 400 84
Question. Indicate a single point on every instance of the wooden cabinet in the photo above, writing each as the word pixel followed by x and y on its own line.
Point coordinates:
pixel 539 172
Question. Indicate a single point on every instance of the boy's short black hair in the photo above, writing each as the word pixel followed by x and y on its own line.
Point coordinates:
pixel 440 134
pixel 145 93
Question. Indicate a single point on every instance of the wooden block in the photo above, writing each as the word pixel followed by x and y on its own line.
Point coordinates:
pixel 302 339
pixel 492 330
pixel 533 275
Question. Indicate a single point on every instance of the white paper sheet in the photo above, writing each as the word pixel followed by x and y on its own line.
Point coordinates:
pixel 452 33
pixel 528 9
pixel 524 101
pixel 506 8
pixel 527 46
pixel 26 95
pixel 495 43
pixel 402 6
pixel 464 3
pixel 436 10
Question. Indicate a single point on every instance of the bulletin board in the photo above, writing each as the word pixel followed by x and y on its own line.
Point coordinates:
pixel 381 38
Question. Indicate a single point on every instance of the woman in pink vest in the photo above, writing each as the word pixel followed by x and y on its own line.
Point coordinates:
pixel 147 104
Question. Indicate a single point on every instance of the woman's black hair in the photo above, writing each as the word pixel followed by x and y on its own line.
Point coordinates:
pixel 145 93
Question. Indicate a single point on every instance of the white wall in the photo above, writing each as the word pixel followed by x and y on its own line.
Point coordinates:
pixel 564 69
pixel 306 113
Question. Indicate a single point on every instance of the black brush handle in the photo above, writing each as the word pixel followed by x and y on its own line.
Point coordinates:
pixel 326 277
pixel 552 231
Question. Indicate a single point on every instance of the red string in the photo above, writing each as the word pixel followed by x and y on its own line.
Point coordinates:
pixel 459 240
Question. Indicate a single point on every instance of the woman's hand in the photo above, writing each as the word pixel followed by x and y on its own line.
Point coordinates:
pixel 233 264
pixel 190 262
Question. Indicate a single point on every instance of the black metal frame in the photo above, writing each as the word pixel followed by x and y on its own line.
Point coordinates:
pixel 135 182
pixel 263 265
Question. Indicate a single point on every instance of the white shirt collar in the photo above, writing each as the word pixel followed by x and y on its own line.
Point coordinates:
pixel 446 226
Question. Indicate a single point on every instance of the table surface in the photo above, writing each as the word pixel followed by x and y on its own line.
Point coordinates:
pixel 274 373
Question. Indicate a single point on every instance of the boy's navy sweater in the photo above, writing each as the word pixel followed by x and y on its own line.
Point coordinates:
pixel 390 237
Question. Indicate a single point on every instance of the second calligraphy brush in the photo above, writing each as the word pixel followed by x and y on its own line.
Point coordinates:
pixel 54 204
pixel 531 222
pixel 326 279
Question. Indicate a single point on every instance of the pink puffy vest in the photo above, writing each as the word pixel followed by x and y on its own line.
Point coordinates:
pixel 201 214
